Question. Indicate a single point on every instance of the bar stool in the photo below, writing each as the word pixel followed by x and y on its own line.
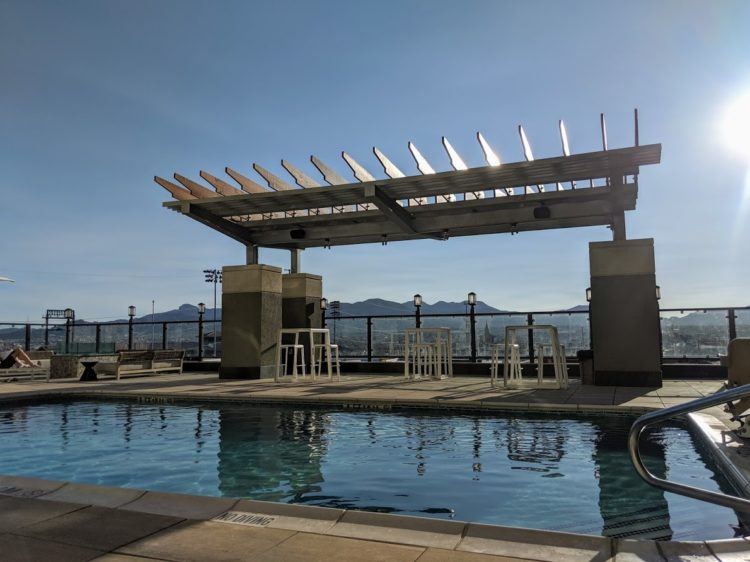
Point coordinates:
pixel 318 353
pixel 424 359
pixel 296 349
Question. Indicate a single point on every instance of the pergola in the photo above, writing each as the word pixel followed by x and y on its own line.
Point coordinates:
pixel 573 190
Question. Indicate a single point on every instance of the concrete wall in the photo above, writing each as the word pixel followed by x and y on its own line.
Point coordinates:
pixel 625 330
pixel 251 319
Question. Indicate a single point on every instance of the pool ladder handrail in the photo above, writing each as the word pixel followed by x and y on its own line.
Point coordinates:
pixel 719 498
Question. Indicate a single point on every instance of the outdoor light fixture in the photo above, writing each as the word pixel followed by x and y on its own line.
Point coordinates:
pixel 588 294
pixel 131 311
pixel 201 308
pixel 472 300
pixel 68 313
pixel 658 292
pixel 418 313
pixel 323 303
pixel 417 300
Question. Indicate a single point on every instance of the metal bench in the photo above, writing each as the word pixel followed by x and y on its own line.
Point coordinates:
pixel 144 362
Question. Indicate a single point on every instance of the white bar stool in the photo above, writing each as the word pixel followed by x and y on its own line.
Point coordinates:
pixel 425 360
pixel 319 350
pixel 297 349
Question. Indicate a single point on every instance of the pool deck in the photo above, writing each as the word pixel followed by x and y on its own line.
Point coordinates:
pixel 379 390
pixel 46 520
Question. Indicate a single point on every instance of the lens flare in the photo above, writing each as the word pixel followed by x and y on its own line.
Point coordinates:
pixel 735 126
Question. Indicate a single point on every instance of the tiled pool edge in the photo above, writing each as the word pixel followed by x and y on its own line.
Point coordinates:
pixel 434 404
pixel 722 444
pixel 425 532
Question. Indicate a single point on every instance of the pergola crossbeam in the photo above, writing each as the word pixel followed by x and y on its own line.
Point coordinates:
pixel 391 209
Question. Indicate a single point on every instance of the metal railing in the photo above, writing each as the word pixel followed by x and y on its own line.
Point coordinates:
pixel 199 338
pixel 719 498
pixel 687 333
pixel 692 334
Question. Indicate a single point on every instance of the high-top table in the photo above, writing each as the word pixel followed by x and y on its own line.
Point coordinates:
pixel 311 332
pixel 512 371
pixel 440 343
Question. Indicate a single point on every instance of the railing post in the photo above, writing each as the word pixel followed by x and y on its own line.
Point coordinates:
pixel 130 334
pixel 98 337
pixel 164 335
pixel 67 335
pixel 473 332
pixel 418 318
pixel 200 337
pixel 27 338
pixel 369 339
pixel 530 322
pixel 732 324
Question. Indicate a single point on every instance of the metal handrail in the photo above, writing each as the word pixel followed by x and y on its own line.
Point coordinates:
pixel 723 397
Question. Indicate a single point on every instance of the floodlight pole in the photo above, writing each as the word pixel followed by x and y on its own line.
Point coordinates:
pixel 215 276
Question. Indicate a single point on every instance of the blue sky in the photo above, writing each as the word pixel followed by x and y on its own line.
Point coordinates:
pixel 98 97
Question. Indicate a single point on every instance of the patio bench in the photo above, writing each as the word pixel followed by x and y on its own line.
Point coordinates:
pixel 144 362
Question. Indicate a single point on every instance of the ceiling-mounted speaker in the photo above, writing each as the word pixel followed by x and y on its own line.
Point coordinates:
pixel 297 233
pixel 542 212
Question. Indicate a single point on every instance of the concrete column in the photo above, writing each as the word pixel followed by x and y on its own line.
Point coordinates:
pixel 301 293
pixel 624 311
pixel 251 319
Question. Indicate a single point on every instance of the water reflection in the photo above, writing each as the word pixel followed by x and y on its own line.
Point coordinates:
pixel 645 514
pixel 271 454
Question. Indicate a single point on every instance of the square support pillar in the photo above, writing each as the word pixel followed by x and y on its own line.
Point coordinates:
pixel 251 319
pixel 301 293
pixel 624 313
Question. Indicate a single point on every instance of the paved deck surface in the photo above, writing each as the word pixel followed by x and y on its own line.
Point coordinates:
pixel 456 392
pixel 63 522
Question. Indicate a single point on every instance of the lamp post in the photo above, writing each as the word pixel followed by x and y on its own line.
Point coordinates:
pixel 418 307
pixel 472 300
pixel 131 316
pixel 201 312
pixel 323 308
pixel 213 276
pixel 70 315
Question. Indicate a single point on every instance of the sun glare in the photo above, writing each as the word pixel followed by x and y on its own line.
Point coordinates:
pixel 736 126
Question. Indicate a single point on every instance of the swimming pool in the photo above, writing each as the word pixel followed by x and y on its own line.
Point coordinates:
pixel 548 471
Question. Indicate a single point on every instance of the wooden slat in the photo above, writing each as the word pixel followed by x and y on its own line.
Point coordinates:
pixel 247 185
pixel 274 181
pixel 221 187
pixel 195 188
pixel 179 193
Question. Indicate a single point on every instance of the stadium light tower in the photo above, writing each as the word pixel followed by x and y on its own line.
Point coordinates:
pixel 213 276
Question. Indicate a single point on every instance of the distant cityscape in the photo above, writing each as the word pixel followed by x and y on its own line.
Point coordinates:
pixel 693 334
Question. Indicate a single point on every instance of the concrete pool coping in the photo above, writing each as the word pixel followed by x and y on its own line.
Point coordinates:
pixel 438 539
pixel 426 539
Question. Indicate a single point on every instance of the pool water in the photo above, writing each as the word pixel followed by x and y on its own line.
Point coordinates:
pixel 560 472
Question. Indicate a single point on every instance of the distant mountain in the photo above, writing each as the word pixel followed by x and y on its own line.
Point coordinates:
pixel 185 312
pixel 372 307
pixel 368 307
